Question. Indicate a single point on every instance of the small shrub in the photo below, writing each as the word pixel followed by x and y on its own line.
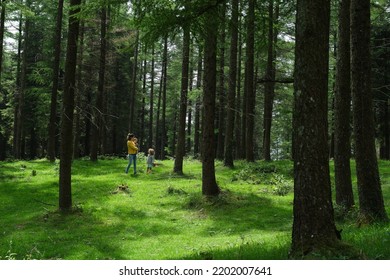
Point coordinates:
pixel 281 186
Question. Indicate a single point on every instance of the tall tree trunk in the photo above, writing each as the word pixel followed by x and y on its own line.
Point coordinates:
pixel 244 115
pixel 181 141
pixel 231 99
pixel 342 155
pixel 163 139
pixel 249 83
pixel 238 127
pixel 269 90
pixel 221 88
pixel 157 139
pixel 369 187
pixel 78 93
pixel 104 132
pixel 157 134
pixel 21 87
pixel 51 142
pixel 142 113
pixel 197 126
pixel 3 140
pixel 151 102
pixel 209 184
pixel 313 225
pixel 133 84
pixel 97 126
pixel 66 149
pixel 2 29
pixel 190 106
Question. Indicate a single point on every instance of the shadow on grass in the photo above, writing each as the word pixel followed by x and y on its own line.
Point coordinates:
pixel 90 234
pixel 246 250
pixel 238 213
pixel 81 234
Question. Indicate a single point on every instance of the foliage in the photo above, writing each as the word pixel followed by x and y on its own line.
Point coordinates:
pixel 278 177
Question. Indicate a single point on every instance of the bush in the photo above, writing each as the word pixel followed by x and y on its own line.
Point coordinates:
pixel 281 186
pixel 265 174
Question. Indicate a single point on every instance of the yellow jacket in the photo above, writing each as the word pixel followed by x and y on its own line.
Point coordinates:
pixel 132 149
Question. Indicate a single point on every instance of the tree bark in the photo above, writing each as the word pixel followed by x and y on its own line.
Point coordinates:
pixel 238 127
pixel 269 87
pixel 313 224
pixel 142 110
pixel 151 103
pixel 231 100
pixel 97 124
pixel 3 141
pixel 181 140
pixel 21 86
pixel 133 84
pixel 209 184
pixel 342 146
pixel 66 149
pixel 369 187
pixel 2 30
pixel 51 151
pixel 78 93
pixel 197 126
pixel 221 88
pixel 157 140
pixel 163 139
pixel 249 84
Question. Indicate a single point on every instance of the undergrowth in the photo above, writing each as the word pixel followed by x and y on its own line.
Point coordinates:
pixel 162 215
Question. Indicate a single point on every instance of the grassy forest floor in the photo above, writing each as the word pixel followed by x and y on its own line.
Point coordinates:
pixel 162 215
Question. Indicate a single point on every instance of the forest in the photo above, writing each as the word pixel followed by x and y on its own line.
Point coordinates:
pixel 242 87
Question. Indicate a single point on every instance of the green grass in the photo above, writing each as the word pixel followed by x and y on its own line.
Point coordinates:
pixel 160 215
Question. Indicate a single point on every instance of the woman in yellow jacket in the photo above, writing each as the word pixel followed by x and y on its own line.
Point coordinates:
pixel 132 152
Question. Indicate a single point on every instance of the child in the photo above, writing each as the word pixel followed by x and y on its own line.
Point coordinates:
pixel 150 161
